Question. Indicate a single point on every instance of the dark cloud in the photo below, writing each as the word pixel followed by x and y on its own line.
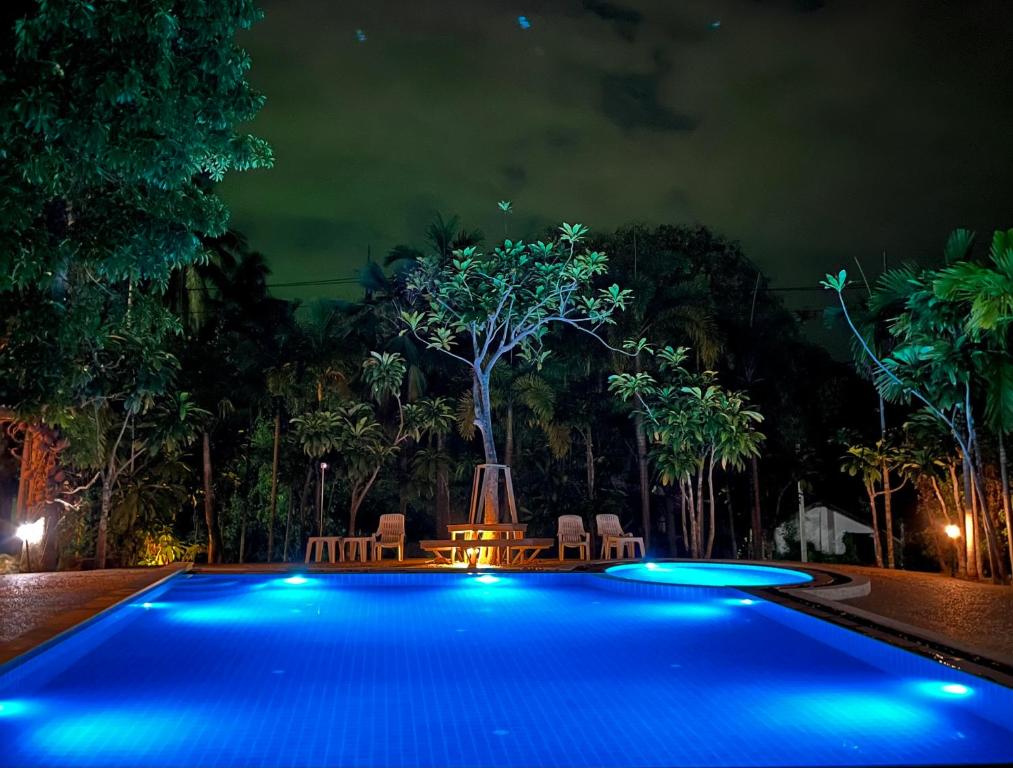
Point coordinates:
pixel 633 102
pixel 624 20
pixel 515 175
pixel 810 135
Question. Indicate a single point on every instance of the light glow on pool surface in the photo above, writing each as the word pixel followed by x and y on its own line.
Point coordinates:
pixel 709 574
pixel 341 671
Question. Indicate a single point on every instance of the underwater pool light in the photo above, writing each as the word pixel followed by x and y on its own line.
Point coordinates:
pixel 746 601
pixel 296 579
pixel 487 579
pixel 146 606
pixel 651 566
pixel 955 689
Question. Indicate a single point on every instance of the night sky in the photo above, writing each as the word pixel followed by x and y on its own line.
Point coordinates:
pixel 811 132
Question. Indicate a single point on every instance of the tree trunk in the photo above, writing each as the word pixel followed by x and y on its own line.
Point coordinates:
pixel 713 507
pixel 670 530
pixel 995 556
pixel 288 522
pixel 947 520
pixel 877 544
pixel 887 488
pixel 103 520
pixel 508 445
pixel 976 524
pixel 698 534
pixel 692 544
pixel 210 513
pixel 731 523
pixel 683 503
pixel 483 420
pixel 1004 476
pixel 273 505
pixel 756 522
pixel 644 477
pixel 589 462
pixel 888 515
pixel 970 541
pixel 442 490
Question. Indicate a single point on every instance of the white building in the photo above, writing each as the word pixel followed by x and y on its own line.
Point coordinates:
pixel 825 527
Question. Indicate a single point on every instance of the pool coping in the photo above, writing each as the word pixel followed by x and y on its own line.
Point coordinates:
pixel 996 667
pixel 43 645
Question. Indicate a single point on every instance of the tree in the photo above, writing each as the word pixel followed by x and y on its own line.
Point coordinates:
pixel 115 120
pixel 121 412
pixel 874 465
pixel 984 292
pixel 936 361
pixel 479 307
pixel 695 425
pixel 353 431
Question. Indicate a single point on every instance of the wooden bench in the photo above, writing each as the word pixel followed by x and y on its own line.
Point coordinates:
pixel 518 551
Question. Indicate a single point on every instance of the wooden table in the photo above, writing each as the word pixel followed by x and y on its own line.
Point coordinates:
pixel 357 547
pixel 476 531
pixel 331 543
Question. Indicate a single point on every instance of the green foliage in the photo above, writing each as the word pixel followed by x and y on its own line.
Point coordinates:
pixel 114 117
pixel 508 298
pixel 691 418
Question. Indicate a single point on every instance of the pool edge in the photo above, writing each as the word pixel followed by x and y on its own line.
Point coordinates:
pixel 29 653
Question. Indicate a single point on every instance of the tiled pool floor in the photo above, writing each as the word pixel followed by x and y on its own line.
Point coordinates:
pixel 457 670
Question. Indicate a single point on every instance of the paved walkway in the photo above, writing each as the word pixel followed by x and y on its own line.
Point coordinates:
pixel 36 606
pixel 972 613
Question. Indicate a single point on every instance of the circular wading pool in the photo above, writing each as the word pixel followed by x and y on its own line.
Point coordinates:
pixel 709 574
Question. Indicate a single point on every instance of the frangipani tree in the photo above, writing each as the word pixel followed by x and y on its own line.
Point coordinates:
pixel 354 432
pixel 694 424
pixel 479 307
pixel 950 350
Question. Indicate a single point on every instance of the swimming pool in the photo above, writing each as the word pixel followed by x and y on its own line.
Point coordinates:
pixel 709 574
pixel 508 669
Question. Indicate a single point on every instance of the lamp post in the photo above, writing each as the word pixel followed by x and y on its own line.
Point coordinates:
pixel 320 503
pixel 31 533
pixel 953 531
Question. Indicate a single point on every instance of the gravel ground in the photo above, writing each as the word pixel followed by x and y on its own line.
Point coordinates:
pixel 974 613
pixel 36 606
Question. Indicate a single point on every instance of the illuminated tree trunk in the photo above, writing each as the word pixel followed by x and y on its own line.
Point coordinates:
pixel 888 515
pixel 944 510
pixel 877 543
pixel 103 519
pixel 1004 476
pixel 964 513
pixel 483 420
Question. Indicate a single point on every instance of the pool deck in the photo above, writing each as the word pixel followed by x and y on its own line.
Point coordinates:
pixel 36 607
pixel 970 614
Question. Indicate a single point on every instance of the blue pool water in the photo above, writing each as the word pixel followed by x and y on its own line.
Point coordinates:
pixel 450 669
pixel 709 574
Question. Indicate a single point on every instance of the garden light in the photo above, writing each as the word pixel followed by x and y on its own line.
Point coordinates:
pixel 31 533
pixel 953 531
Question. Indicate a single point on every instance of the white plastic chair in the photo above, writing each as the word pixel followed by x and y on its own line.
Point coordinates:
pixel 389 534
pixel 610 531
pixel 614 538
pixel 571 534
